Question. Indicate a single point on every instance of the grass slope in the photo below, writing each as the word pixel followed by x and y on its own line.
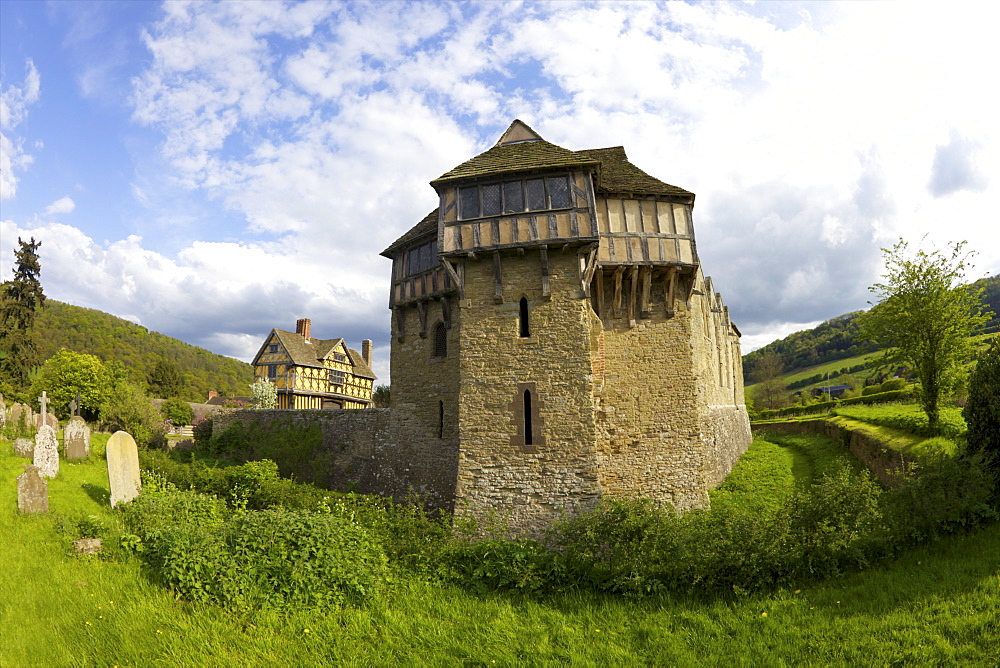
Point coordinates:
pixel 935 605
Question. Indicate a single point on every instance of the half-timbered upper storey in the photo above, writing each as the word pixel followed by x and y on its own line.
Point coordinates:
pixel 315 373
pixel 526 193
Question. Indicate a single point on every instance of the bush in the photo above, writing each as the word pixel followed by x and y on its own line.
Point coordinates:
pixel 982 410
pixel 177 411
pixel 203 430
pixel 130 409
pixel 276 558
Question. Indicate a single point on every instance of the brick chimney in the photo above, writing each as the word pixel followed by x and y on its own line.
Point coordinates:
pixel 366 351
pixel 302 326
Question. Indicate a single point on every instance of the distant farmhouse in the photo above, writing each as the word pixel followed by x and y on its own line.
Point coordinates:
pixel 315 373
pixel 555 341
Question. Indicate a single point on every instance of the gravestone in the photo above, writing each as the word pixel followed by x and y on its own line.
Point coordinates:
pixel 21 414
pixel 24 447
pixel 46 456
pixel 3 411
pixel 32 491
pixel 45 418
pixel 123 468
pixel 76 439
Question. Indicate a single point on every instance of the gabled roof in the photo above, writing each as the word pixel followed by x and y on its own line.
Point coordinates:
pixel 520 149
pixel 313 353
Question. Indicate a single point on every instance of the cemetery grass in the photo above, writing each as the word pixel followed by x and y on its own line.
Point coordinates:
pixel 936 604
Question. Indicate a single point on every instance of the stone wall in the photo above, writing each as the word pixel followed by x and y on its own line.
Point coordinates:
pixel 499 470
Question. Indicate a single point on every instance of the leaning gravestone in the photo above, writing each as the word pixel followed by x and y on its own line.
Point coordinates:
pixel 32 491
pixel 123 468
pixel 46 456
pixel 76 439
pixel 24 447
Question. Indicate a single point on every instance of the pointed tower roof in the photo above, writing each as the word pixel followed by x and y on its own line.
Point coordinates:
pixel 520 149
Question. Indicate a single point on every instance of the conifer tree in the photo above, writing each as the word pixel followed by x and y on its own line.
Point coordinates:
pixel 982 410
pixel 20 300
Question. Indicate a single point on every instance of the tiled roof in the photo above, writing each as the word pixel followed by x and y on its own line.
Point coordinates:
pixel 516 157
pixel 425 227
pixel 618 175
pixel 313 353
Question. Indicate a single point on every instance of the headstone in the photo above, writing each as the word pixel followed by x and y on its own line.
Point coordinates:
pixel 123 468
pixel 24 447
pixel 76 438
pixel 32 491
pixel 46 456
pixel 87 545
pixel 44 418
pixel 21 414
pixel 3 411
pixel 49 419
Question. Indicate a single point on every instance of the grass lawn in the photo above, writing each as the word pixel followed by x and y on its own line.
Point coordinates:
pixel 935 605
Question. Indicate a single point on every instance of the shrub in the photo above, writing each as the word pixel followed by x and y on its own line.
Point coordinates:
pixel 982 410
pixel 177 411
pixel 203 430
pixel 129 408
pixel 276 558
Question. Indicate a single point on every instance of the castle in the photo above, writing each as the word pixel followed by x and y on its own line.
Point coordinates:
pixel 554 340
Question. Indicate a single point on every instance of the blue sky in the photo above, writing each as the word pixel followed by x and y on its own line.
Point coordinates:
pixel 213 170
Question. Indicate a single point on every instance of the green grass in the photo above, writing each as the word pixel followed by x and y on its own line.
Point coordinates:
pixel 934 605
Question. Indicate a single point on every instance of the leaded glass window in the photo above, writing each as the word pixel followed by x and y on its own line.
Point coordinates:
pixel 558 191
pixel 536 194
pixel 491 199
pixel 468 202
pixel 513 197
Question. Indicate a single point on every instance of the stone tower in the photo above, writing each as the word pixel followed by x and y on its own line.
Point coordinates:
pixel 555 340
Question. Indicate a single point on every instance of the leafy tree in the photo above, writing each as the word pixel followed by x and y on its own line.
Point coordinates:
pixel 925 317
pixel 982 411
pixel 67 374
pixel 380 397
pixel 20 299
pixel 177 411
pixel 130 409
pixel 165 380
pixel 769 390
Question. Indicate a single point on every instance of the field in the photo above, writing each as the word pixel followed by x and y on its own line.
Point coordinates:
pixel 933 605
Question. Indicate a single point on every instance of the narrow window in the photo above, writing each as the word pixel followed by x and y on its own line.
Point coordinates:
pixel 558 191
pixel 440 340
pixel 525 329
pixel 513 197
pixel 440 419
pixel 491 199
pixel 468 205
pixel 536 194
pixel 527 418
pixel 272 371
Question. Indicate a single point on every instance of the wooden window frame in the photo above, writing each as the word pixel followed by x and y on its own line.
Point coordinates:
pixel 463 214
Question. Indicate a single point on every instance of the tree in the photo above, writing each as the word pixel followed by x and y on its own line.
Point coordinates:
pixel 178 411
pixel 265 394
pixel 925 317
pixel 769 390
pixel 165 380
pixel 982 411
pixel 20 299
pixel 68 374
pixel 380 397
pixel 130 409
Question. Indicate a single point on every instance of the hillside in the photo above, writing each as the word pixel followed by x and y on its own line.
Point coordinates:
pixel 837 338
pixel 84 330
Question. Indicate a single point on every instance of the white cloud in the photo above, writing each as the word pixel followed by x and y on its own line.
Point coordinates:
pixel 14 103
pixel 61 205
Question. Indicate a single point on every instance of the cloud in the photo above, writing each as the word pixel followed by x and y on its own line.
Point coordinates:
pixel 14 103
pixel 955 168
pixel 61 205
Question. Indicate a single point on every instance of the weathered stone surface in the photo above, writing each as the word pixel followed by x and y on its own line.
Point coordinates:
pixel 32 491
pixel 21 415
pixel 3 411
pixel 76 439
pixel 123 468
pixel 50 420
pixel 46 456
pixel 87 545
pixel 24 447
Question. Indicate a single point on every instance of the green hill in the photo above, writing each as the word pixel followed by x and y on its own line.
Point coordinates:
pixel 837 339
pixel 84 330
